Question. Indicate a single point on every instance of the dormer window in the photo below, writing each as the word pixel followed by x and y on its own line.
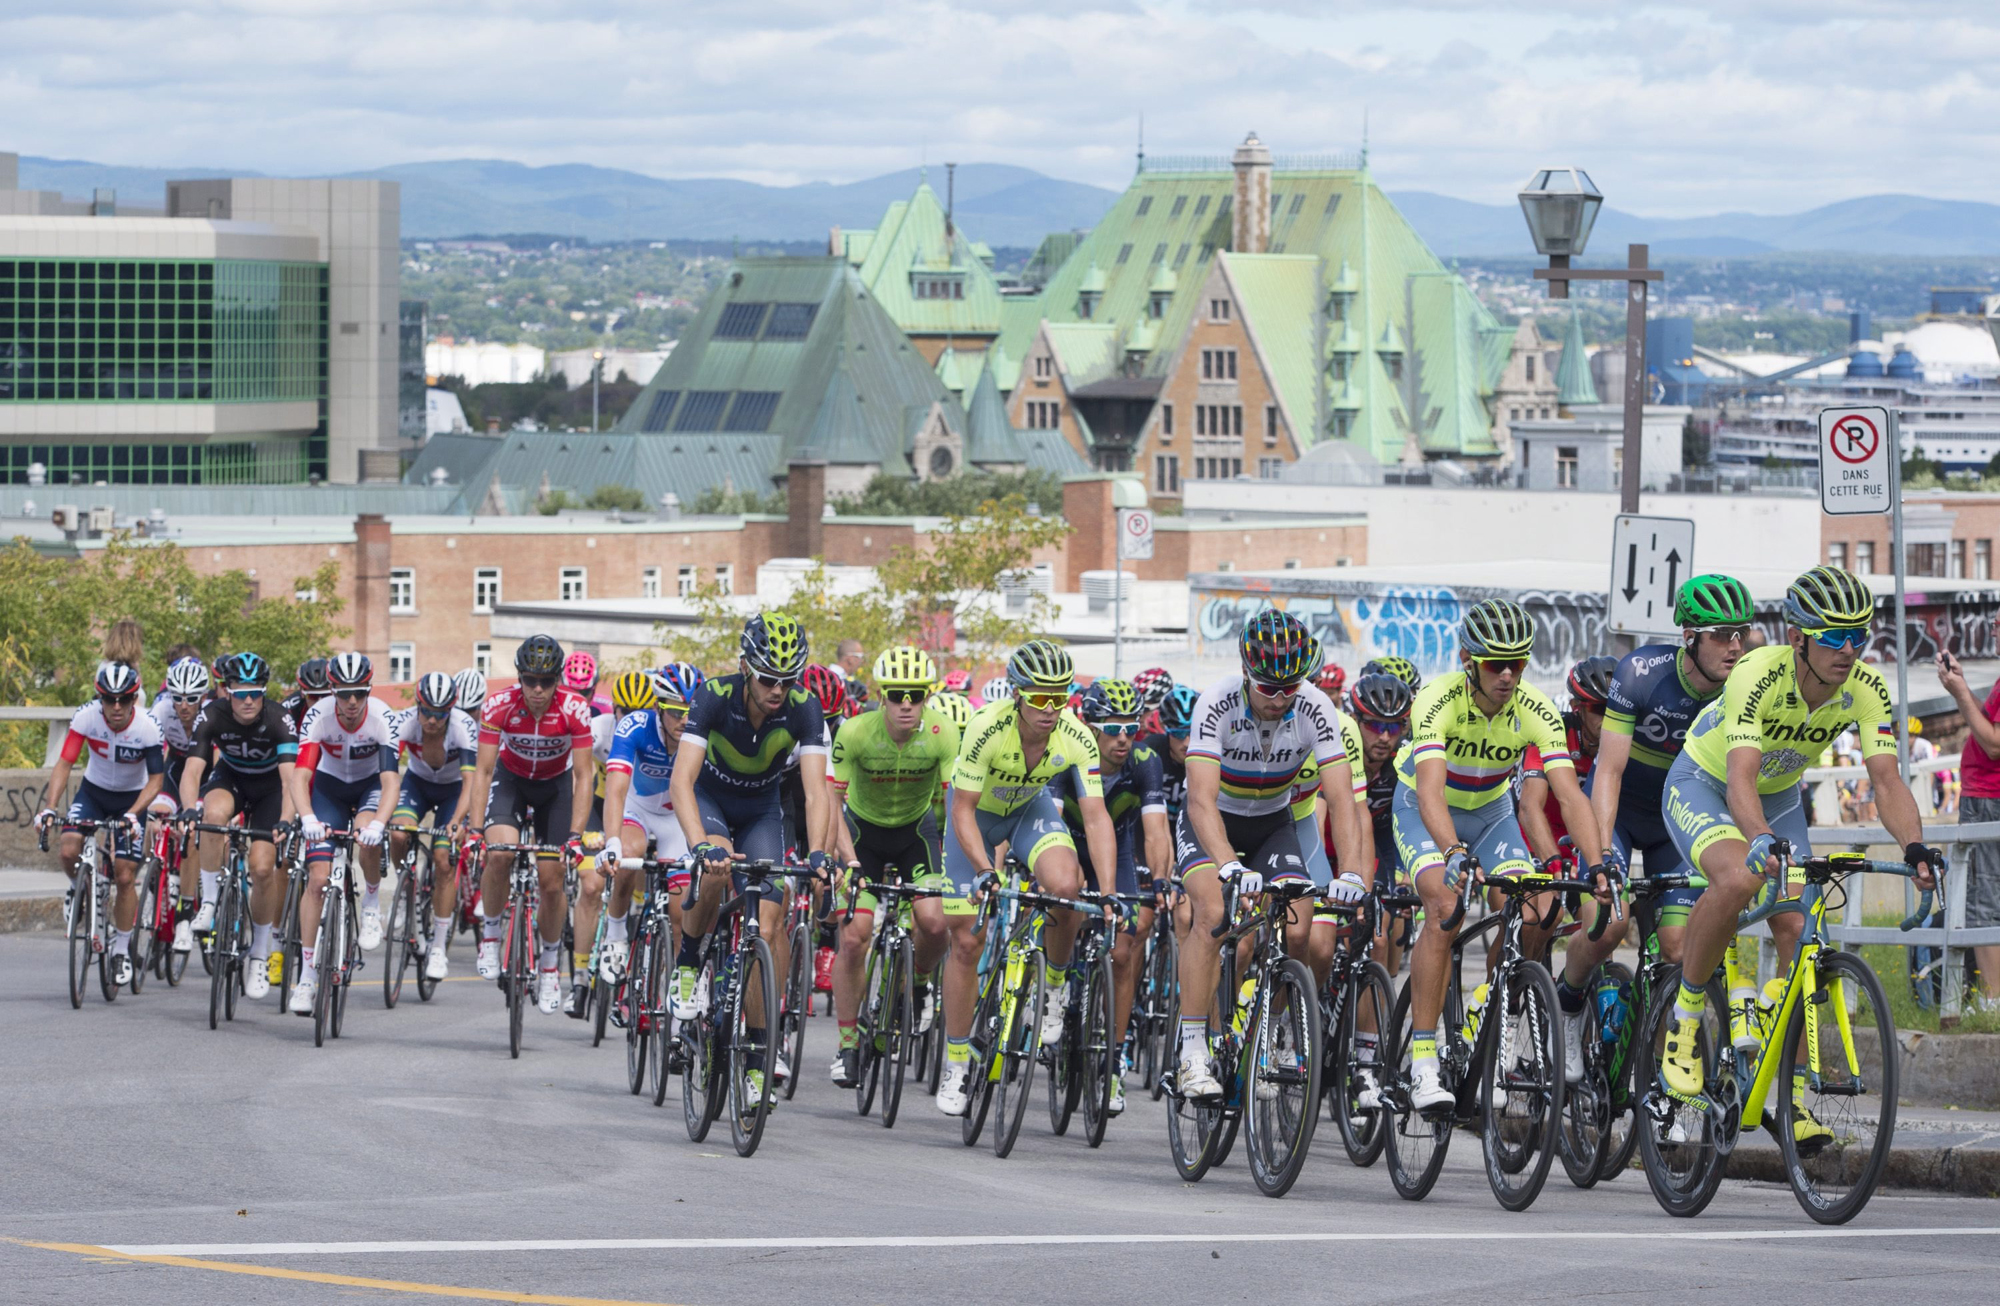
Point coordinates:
pixel 1086 303
pixel 1339 304
pixel 937 285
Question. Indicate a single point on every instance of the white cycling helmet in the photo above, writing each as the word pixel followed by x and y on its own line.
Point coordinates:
pixel 996 690
pixel 187 678
pixel 471 690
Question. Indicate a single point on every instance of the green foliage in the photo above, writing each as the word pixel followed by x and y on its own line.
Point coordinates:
pixel 1921 473
pixel 952 576
pixel 957 496
pixel 617 498
pixel 728 501
pixel 632 296
pixel 543 400
pixel 1694 443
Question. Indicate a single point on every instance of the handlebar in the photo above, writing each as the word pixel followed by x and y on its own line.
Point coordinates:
pixel 1289 890
pixel 1824 870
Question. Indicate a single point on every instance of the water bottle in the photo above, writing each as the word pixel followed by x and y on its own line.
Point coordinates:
pixel 1243 997
pixel 1611 1009
pixel 1474 1010
pixel 1767 1007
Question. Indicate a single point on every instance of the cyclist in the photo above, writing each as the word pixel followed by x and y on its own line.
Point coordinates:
pixel 439 745
pixel 997 690
pixel 1332 682
pixel 1543 827
pixel 1654 696
pixel 957 682
pixel 312 686
pixel 888 768
pixel 1733 793
pixel 1377 720
pixel 1010 751
pixel 830 686
pixel 725 795
pixel 1170 745
pixel 1134 786
pixel 471 692
pixel 638 804
pixel 954 706
pixel 125 769
pixel 589 868
pixel 1453 807
pixel 1153 685
pixel 346 777
pixel 579 677
pixel 1401 668
pixel 533 773
pixel 176 710
pixel 245 750
pixel 1254 734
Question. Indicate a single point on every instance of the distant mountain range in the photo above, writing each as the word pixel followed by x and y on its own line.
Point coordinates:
pixel 1005 205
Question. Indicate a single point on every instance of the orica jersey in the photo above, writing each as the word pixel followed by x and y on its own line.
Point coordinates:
pixel 1479 751
pixel 1761 708
pixel 1262 761
pixel 1650 701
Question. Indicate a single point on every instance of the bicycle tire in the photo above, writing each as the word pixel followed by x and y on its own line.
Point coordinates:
pixel 1019 1050
pixel 175 966
pixel 1166 1038
pixel 1684 1175
pixel 900 1019
pixel 867 1026
pixel 140 947
pixel 323 963
pixel 600 995
pixel 348 961
pixel 1622 1140
pixel 701 1078
pixel 797 1005
pixel 1096 1053
pixel 1364 1132
pixel 978 1074
pixel 1279 1128
pixel 1584 1132
pixel 101 942
pixel 219 942
pixel 1540 1087
pixel 396 938
pixel 82 935
pixel 642 987
pixel 749 1111
pixel 517 970
pixel 1065 1074
pixel 1417 1144
pixel 425 925
pixel 1817 1177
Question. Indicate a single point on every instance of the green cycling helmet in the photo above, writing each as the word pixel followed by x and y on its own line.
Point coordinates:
pixel 1497 628
pixel 1712 600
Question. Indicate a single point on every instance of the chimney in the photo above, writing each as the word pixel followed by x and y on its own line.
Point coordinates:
pixel 1250 213
pixel 950 194
pixel 805 508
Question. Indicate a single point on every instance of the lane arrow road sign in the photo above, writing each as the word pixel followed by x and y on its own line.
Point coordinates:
pixel 1631 571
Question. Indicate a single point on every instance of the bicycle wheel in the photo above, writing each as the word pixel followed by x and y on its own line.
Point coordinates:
pixel 1065 1075
pixel 325 962
pixel 1194 1135
pixel 701 1078
pixel 1282 1107
pixel 868 1026
pixel 979 1065
pixel 898 1019
pixel 1097 1056
pixel 1161 988
pixel 396 938
pixel 144 935
pixel 1358 1065
pixel 220 940
pixel 1018 1050
pixel 519 971
pixel 1521 1099
pixel 1417 1143
pixel 797 1004
pixel 599 996
pixel 642 992
pixel 1585 1131
pixel 82 937
pixel 175 965
pixel 424 927
pixel 1683 1146
pixel 343 975
pixel 751 1047
pixel 1621 1139
pixel 1843 1089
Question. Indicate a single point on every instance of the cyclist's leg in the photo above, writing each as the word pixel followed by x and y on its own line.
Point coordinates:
pixel 1039 828
pixel 1645 833
pixel 1705 833
pixel 961 971
pixel 924 861
pixel 500 823
pixel 1125 949
pixel 261 799
pixel 1430 959
pixel 334 804
pixel 590 877
pixel 218 807
pixel 759 834
pixel 857 930
pixel 551 800
pixel 1200 954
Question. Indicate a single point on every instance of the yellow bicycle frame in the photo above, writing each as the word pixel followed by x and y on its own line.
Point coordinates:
pixel 1802 980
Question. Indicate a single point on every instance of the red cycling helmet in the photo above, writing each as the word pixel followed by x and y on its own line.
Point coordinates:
pixel 828 686
pixel 1331 680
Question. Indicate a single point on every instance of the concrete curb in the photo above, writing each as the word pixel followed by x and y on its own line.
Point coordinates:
pixel 1969 1172
pixel 21 914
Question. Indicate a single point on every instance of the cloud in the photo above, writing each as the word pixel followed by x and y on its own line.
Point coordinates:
pixel 1772 105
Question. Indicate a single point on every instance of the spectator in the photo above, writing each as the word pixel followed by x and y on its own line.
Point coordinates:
pixel 1979 780
pixel 851 657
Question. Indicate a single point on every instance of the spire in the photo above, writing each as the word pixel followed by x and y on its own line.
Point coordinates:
pixel 1142 141
pixel 1573 383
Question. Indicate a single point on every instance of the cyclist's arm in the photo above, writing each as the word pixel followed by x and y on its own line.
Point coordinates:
pixel 1368 853
pixel 617 785
pixel 298 788
pixel 583 774
pixel 1984 731
pixel 1204 782
pixel 1896 806
pixel 812 774
pixel 965 827
pixel 392 786
pixel 842 842
pixel 687 762
pixel 156 778
pixel 1102 839
pixel 1431 806
pixel 290 808
pixel 1159 844
pixel 482 773
pixel 59 778
pixel 1533 811
pixel 191 775
pixel 1336 787
pixel 1577 816
pixel 1607 778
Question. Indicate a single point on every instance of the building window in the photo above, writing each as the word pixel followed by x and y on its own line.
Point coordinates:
pixel 1167 474
pixel 574 584
pixel 1145 205
pixel 1270 423
pixel 1566 467
pixel 1864 557
pixel 485 589
pixel 482 658
pixel 1218 310
pixel 1958 559
pixel 1545 414
pixel 1836 554
pixel 1045 367
pixel 1530 360
pixel 1044 414
pixel 1124 252
pixel 725 578
pixel 1982 559
pixel 1268 468
pixel 1217 469
pixel 402 663
pixel 402 589
pixel 1218 364
pixel 649 582
pixel 685 582
pixel 1166 421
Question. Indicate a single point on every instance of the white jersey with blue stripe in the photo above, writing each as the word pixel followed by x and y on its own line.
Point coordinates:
pixel 638 750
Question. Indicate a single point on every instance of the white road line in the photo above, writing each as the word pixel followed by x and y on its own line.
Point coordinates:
pixel 1021 1240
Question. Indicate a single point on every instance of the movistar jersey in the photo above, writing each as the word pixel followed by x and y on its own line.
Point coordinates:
pixel 1138 787
pixel 885 783
pixel 993 763
pixel 1479 751
pixel 739 758
pixel 1651 701
pixel 1761 708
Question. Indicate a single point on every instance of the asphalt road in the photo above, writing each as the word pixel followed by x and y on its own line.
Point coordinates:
pixel 251 1167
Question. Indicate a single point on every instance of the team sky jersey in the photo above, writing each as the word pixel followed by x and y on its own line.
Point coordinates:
pixel 1173 774
pixel 120 760
pixel 1580 761
pixel 1261 761
pixel 738 758
pixel 1761 708
pixel 327 747
pixel 460 747
pixel 1138 787
pixel 178 738
pixel 535 747
pixel 1479 752
pixel 1650 701
pixel 638 750
pixel 993 763
pixel 885 784
pixel 255 748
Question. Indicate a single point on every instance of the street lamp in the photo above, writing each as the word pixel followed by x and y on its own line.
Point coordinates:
pixel 596 371
pixel 1560 205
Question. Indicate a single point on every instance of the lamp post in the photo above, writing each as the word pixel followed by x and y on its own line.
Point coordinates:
pixel 1561 206
pixel 596 371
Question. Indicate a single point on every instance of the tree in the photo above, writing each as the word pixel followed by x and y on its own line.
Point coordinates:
pixel 617 498
pixel 728 501
pixel 948 583
pixel 1694 443
pixel 1919 472
pixel 956 496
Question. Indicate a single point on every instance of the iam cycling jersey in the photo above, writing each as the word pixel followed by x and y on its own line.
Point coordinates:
pixel 535 747
pixel 1650 700
pixel 1761 708
pixel 255 747
pixel 120 760
pixel 1479 751
pixel 890 784
pixel 326 747
pixel 457 750
pixel 638 750
pixel 1580 761
pixel 993 762
pixel 1262 761
pixel 739 758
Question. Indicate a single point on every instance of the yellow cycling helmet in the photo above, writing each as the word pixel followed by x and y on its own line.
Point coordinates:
pixel 905 665
pixel 954 706
pixel 633 692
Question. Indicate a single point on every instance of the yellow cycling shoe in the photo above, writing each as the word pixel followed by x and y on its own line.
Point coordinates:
pixel 1808 1131
pixel 1680 1061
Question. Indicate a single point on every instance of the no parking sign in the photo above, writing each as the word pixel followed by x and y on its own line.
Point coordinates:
pixel 1135 533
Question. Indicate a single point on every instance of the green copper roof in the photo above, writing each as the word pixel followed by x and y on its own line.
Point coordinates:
pixel 909 251
pixel 1573 381
pixel 1277 293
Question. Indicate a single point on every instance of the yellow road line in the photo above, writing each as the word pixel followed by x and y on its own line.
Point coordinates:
pixel 104 1255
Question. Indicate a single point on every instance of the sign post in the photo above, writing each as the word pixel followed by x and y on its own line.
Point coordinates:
pixel 1861 471
pixel 1650 557
pixel 1135 541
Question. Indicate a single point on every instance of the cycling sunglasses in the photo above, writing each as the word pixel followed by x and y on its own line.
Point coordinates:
pixel 1504 664
pixel 672 709
pixel 1182 733
pixel 247 692
pixel 1043 702
pixel 434 713
pixel 195 699
pixel 350 695
pixel 1838 637
pixel 1118 729
pixel 120 700
pixel 538 682
pixel 1725 634
pixel 1285 690
pixel 906 695
pixel 774 682
pixel 1385 727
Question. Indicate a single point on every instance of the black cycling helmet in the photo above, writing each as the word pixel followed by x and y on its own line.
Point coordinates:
pixel 312 676
pixel 774 645
pixel 350 671
pixel 1177 710
pixel 247 669
pixel 539 655
pixel 1381 696
pixel 116 679
pixel 1401 668
pixel 437 692
pixel 1590 680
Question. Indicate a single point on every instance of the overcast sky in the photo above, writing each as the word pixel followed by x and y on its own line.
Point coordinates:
pixel 1767 105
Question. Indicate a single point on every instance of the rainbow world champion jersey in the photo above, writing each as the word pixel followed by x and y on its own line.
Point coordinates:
pixel 1262 761
pixel 1761 708
pixel 1480 751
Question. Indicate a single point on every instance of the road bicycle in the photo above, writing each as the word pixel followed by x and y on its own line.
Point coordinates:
pixel 1357 1007
pixel 521 939
pixel 593 997
pixel 1831 1037
pixel 641 1008
pixel 228 948
pixel 885 1025
pixel 795 1000
pixel 1501 1056
pixel 290 854
pixel 408 933
pixel 469 852
pixel 337 947
pixel 88 905
pixel 159 911
pixel 1083 1064
pixel 1152 1035
pixel 1013 986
